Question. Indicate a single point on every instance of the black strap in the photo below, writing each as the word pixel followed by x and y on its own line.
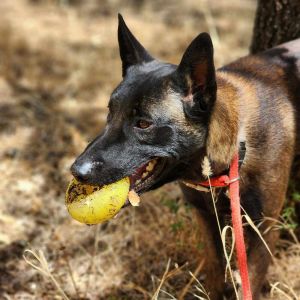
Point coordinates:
pixel 242 153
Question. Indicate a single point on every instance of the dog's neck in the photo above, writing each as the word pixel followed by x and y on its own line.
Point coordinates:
pixel 223 132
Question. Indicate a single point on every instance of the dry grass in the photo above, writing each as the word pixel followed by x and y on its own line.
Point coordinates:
pixel 58 64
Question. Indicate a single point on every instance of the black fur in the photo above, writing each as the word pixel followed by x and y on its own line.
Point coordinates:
pixel 123 147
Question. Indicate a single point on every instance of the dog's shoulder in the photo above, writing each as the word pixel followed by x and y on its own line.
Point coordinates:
pixel 270 67
pixel 265 87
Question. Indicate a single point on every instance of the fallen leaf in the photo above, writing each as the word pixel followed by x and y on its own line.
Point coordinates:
pixel 134 198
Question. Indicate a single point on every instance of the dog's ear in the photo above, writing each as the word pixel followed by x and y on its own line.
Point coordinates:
pixel 198 72
pixel 131 51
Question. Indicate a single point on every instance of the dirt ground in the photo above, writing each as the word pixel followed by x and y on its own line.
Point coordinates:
pixel 59 62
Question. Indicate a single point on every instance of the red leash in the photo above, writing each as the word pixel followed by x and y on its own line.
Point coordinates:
pixel 234 192
pixel 233 182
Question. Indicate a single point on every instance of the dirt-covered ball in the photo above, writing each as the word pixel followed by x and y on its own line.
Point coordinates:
pixel 92 205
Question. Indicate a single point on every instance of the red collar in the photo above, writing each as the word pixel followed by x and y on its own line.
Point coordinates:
pixel 220 181
pixel 217 181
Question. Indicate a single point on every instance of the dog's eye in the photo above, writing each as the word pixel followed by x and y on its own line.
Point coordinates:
pixel 143 124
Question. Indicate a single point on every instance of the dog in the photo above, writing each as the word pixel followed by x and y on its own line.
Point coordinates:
pixel 164 119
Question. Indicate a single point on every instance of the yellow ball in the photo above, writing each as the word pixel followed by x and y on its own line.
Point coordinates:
pixel 92 205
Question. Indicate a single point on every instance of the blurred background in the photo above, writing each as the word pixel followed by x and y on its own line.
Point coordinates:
pixel 59 62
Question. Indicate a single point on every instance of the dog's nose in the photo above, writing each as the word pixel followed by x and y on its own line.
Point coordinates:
pixel 81 170
pixel 84 171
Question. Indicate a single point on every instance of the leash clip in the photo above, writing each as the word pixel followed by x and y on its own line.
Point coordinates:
pixel 228 182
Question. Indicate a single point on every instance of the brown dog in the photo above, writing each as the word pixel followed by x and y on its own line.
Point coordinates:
pixel 164 119
pixel 258 102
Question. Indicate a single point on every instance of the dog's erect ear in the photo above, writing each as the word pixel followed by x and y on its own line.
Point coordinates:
pixel 197 62
pixel 197 69
pixel 131 51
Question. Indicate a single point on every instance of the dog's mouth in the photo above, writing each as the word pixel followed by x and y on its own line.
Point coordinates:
pixel 147 175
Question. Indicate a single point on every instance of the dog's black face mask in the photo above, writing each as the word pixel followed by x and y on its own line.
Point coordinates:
pixel 158 117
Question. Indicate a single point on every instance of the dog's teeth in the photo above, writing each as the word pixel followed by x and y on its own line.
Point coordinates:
pixel 150 166
pixel 138 181
pixel 145 175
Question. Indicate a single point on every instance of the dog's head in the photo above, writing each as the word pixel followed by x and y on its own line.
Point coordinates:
pixel 158 117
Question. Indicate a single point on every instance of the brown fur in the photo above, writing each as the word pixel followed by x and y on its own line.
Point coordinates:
pixel 224 125
pixel 258 99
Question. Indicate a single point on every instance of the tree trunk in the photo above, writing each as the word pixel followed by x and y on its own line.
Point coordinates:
pixel 276 22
